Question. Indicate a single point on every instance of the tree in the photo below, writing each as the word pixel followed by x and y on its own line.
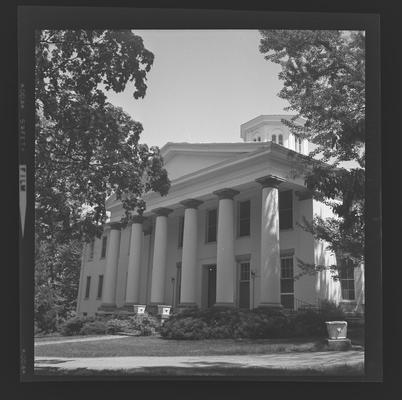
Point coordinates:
pixel 324 82
pixel 85 148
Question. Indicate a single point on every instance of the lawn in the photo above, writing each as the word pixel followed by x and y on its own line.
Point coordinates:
pixel 156 346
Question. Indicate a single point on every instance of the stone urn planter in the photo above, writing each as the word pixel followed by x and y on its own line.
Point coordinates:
pixel 139 309
pixel 164 310
pixel 336 329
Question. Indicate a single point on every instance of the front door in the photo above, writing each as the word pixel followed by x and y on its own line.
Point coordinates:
pixel 211 285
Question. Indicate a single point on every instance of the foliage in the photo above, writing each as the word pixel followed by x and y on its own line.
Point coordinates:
pixel 141 325
pixel 85 150
pixel 97 327
pixel 74 325
pixel 57 270
pixel 256 324
pixel 323 75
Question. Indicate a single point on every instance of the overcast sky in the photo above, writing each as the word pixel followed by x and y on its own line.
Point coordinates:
pixel 203 85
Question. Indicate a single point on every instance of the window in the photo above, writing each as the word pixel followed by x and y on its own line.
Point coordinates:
pixel 100 286
pixel 244 285
pixel 91 250
pixel 212 217
pixel 285 210
pixel 181 231
pixel 88 287
pixel 298 143
pixel 244 218
pixel 346 275
pixel 273 138
pixel 259 138
pixel 280 140
pixel 287 283
pixel 178 283
pixel 104 243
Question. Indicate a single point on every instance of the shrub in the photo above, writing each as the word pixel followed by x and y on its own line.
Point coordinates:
pixel 221 323
pixel 116 325
pixel 74 325
pixel 146 324
pixel 96 327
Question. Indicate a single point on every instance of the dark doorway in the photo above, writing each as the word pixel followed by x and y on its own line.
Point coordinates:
pixel 211 285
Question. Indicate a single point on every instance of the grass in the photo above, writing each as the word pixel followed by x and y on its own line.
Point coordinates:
pixel 156 346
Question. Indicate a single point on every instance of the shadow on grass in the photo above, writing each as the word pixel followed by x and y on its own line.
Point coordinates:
pixel 214 369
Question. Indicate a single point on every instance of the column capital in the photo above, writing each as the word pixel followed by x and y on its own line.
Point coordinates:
pixel 137 219
pixel 115 225
pixel 304 195
pixel 191 203
pixel 270 181
pixel 226 193
pixel 162 212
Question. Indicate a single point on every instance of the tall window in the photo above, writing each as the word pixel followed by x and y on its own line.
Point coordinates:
pixel 212 224
pixel 181 232
pixel 100 286
pixel 88 287
pixel 273 138
pixel 287 282
pixel 280 140
pixel 91 250
pixel 244 285
pixel 178 283
pixel 104 243
pixel 346 275
pixel 285 210
pixel 244 218
pixel 298 143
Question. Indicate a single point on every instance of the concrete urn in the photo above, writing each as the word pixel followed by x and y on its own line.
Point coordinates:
pixel 336 329
pixel 139 309
pixel 164 310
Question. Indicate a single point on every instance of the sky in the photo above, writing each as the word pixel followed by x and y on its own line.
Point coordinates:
pixel 202 86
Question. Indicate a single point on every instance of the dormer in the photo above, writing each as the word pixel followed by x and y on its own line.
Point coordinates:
pixel 266 128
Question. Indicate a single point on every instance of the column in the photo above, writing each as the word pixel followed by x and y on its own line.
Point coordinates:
pixel 112 259
pixel 134 261
pixel 225 258
pixel 159 259
pixel 189 254
pixel 270 273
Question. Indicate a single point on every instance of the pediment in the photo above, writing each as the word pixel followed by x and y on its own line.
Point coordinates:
pixel 181 159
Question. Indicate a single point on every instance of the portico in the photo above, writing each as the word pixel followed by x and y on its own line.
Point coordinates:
pixel 224 253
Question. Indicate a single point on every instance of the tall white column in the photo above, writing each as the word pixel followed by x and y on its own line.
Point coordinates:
pixel 189 254
pixel 134 262
pixel 270 273
pixel 112 259
pixel 225 257
pixel 159 259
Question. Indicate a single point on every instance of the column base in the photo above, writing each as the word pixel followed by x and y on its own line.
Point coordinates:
pixel 107 308
pixel 224 305
pixel 186 306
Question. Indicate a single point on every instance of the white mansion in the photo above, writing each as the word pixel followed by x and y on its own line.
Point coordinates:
pixel 226 233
